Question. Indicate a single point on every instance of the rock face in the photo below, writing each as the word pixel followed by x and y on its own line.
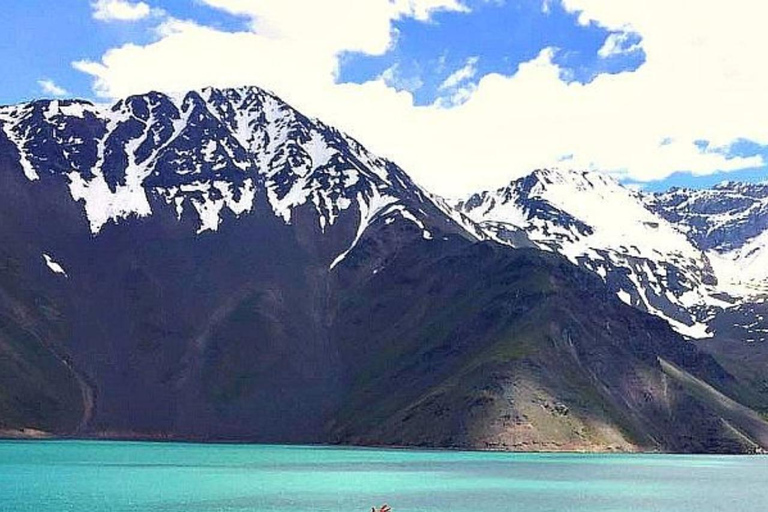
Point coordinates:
pixel 217 266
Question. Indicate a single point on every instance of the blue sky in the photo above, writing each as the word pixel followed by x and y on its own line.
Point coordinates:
pixel 498 36
pixel 442 60
pixel 686 179
pixel 42 38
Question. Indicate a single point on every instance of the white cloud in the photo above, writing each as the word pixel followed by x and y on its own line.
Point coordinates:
pixel 120 10
pixel 333 25
pixel 466 72
pixel 456 88
pixel 50 88
pixel 703 79
pixel 296 56
pixel 191 55
pixel 457 97
pixel 618 43
pixel 394 77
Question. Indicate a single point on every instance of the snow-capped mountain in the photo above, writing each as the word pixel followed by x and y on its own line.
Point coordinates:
pixel 218 154
pixel 597 223
pixel 183 256
pixel 211 154
pixel 730 223
pixel 217 266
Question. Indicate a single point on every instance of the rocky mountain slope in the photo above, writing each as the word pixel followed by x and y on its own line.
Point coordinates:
pixel 217 266
pixel 730 223
pixel 695 258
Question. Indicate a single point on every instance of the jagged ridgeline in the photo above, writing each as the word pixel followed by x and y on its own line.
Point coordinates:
pixel 217 266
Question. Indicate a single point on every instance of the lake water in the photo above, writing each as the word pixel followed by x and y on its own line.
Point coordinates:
pixel 73 476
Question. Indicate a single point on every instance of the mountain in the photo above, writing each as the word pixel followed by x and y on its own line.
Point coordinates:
pixel 696 258
pixel 217 266
pixel 730 223
pixel 607 229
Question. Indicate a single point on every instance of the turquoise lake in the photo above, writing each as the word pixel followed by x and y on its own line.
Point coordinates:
pixel 74 476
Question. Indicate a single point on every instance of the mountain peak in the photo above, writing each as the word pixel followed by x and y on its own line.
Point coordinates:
pixel 209 154
pixel 579 178
pixel 605 227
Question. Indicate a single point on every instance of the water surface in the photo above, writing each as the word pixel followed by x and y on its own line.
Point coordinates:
pixel 74 476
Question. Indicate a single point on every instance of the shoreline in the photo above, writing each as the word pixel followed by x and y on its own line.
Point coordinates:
pixel 31 436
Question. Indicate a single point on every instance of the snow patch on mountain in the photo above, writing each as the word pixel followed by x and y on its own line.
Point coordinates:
pixel 743 272
pixel 53 265
pixel 370 207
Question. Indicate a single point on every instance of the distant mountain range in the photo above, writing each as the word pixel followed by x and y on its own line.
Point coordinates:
pixel 217 266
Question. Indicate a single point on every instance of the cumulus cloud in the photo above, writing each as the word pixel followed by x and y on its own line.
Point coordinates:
pixel 189 55
pixel 332 25
pixel 296 56
pixel 702 80
pixel 50 88
pixel 120 10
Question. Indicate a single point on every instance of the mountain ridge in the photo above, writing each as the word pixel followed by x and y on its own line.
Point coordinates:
pixel 216 266
pixel 246 137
